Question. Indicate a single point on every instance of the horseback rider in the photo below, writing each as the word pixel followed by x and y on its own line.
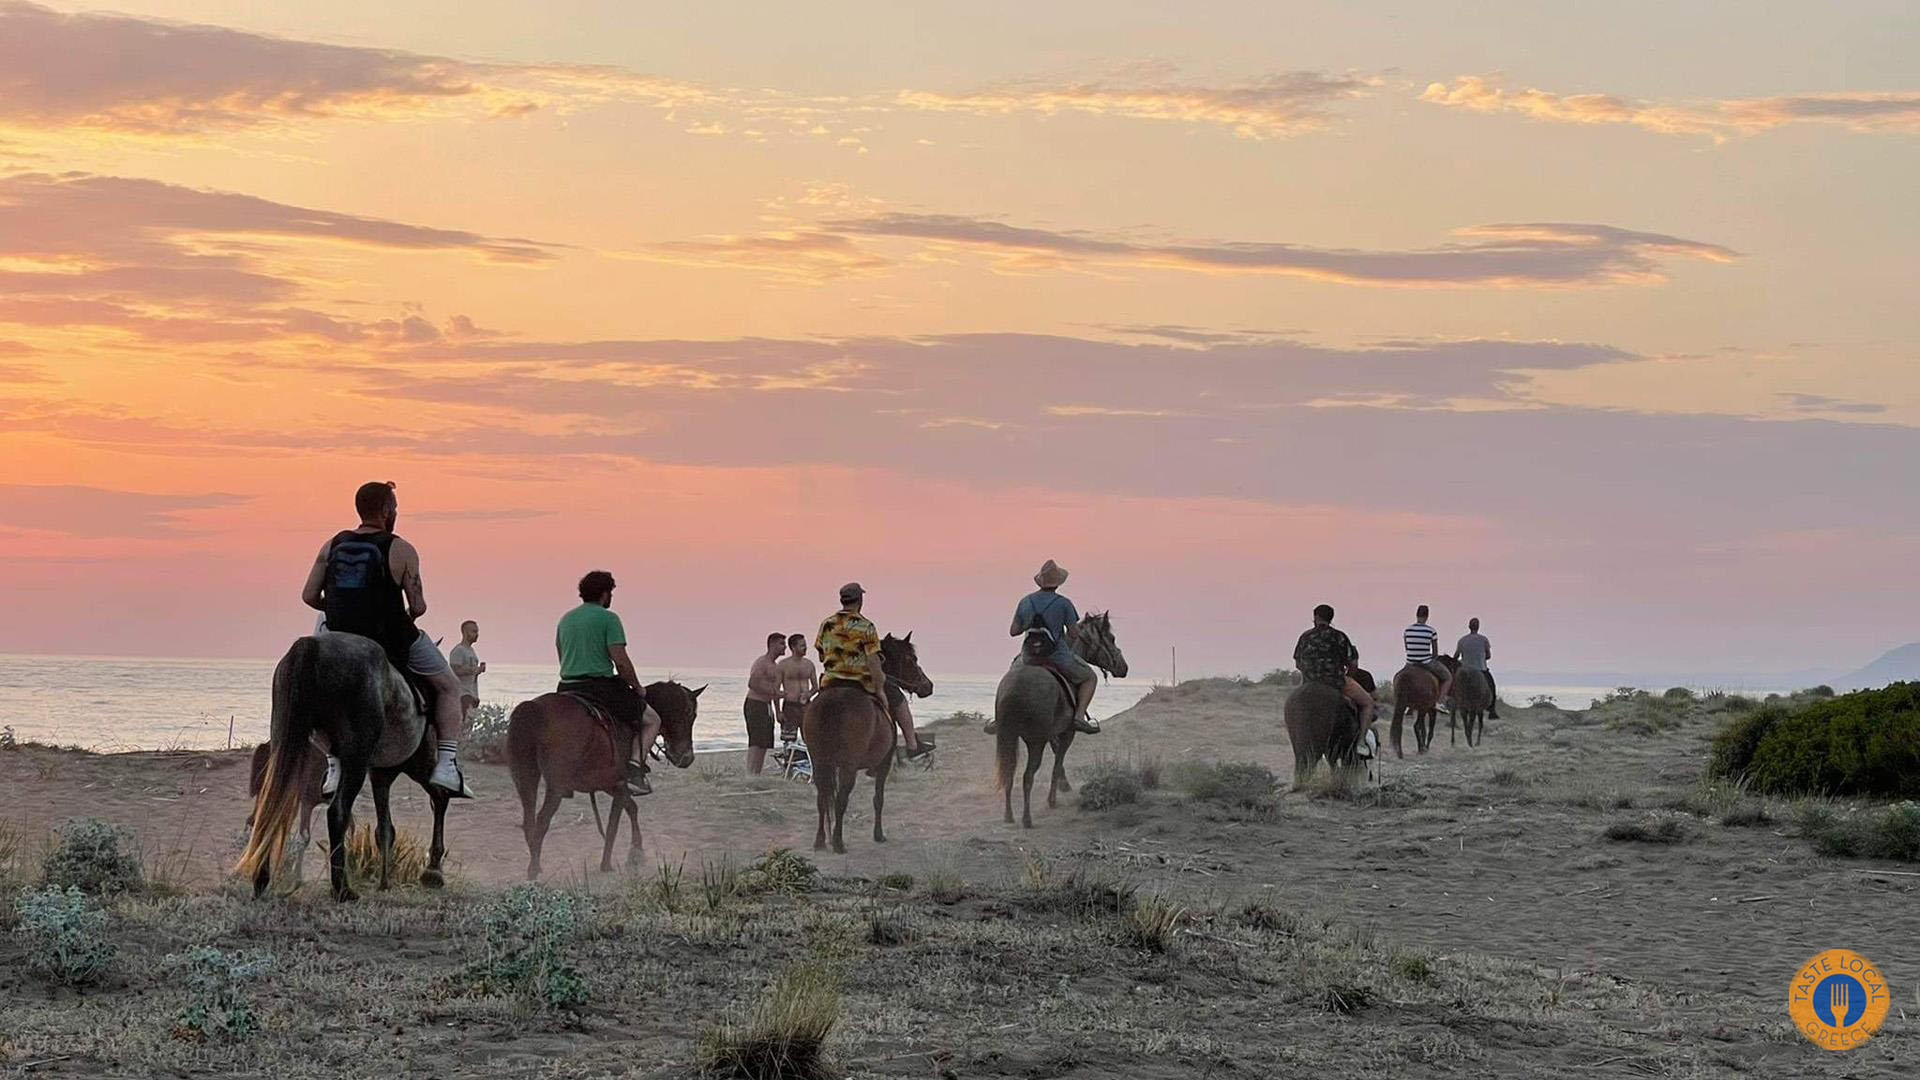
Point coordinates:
pixel 1423 651
pixel 594 665
pixel 366 581
pixel 849 648
pixel 1327 656
pixel 1473 651
pixel 1046 611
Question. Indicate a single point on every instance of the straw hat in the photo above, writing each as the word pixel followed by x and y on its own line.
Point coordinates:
pixel 1051 576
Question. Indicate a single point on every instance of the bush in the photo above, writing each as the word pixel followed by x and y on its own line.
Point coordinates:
pixel 529 931
pixel 1077 893
pixel 1890 833
pixel 1865 743
pixel 780 870
pixel 92 856
pixel 1242 785
pixel 219 1007
pixel 1738 739
pixel 1108 784
pixel 1662 831
pixel 66 935
pixel 486 734
pixel 785 1037
pixel 1677 693
pixel 1153 924
pixel 1542 701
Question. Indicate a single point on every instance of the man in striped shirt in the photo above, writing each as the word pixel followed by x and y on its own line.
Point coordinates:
pixel 1423 650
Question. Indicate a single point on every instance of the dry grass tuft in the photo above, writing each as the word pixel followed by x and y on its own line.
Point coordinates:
pixel 785 1037
pixel 363 857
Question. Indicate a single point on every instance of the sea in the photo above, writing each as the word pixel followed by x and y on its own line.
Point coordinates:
pixel 109 704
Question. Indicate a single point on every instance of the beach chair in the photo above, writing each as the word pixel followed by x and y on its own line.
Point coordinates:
pixel 794 761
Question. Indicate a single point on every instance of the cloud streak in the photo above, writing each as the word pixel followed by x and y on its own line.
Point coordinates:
pixel 1276 106
pixel 1862 111
pixel 99 512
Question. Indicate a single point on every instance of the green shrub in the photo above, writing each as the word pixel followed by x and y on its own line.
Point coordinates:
pixel 219 1007
pixel 1821 691
pixel 1677 693
pixel 1747 815
pixel 1739 738
pixel 66 935
pixel 94 857
pixel 1242 785
pixel 529 931
pixel 486 734
pixel 1660 831
pixel 1109 784
pixel 1892 832
pixel 1865 743
pixel 781 870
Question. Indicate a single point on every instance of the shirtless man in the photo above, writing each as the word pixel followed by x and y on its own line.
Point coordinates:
pixel 798 681
pixel 763 689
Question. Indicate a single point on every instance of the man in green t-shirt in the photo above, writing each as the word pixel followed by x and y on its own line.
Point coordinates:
pixel 594 665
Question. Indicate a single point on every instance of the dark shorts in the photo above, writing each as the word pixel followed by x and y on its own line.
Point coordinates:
pixel 1440 671
pixel 759 724
pixel 612 694
pixel 791 713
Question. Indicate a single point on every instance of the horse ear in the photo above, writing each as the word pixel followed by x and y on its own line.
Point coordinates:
pixel 700 691
pixel 909 638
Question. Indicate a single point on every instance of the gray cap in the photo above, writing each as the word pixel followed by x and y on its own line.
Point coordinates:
pixel 851 591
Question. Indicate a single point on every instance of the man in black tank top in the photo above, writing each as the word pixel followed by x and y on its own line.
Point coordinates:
pixel 367 581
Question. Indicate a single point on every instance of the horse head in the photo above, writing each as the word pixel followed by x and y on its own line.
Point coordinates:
pixel 901 661
pixel 677 706
pixel 1092 639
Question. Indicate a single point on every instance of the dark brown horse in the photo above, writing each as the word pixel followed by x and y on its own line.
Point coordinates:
pixel 1320 724
pixel 555 738
pixel 1031 705
pixel 1472 696
pixel 846 732
pixel 1416 691
pixel 417 768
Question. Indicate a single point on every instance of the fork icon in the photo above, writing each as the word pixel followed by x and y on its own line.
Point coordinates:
pixel 1837 1000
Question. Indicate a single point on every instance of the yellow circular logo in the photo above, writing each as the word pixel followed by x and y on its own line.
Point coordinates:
pixel 1838 999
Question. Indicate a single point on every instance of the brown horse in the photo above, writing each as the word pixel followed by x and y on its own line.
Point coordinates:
pixel 417 768
pixel 1416 691
pixel 1472 696
pixel 555 738
pixel 1320 724
pixel 1031 705
pixel 846 732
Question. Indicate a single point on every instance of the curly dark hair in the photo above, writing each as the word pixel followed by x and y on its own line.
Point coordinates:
pixel 596 584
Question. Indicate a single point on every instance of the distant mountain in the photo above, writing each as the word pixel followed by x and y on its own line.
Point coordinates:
pixel 1898 665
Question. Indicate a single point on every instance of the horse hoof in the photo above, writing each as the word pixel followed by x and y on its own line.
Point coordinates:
pixel 819 845
pixel 878 838
pixel 839 849
pixel 1064 785
pixel 432 879
pixel 345 896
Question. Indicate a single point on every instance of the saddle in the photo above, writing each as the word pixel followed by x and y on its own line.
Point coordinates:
pixel 594 709
pixel 1037 650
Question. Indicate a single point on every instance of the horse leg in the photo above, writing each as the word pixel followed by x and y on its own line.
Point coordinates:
pixel 537 830
pixel 432 877
pixel 824 778
pixel 1399 711
pixel 1453 727
pixel 633 819
pixel 1035 751
pixel 302 839
pixel 613 830
pixel 1059 780
pixel 880 794
pixel 842 791
pixel 339 823
pixel 383 831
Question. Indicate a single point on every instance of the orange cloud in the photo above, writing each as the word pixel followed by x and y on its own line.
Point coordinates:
pixel 1897 111
pixel 1273 107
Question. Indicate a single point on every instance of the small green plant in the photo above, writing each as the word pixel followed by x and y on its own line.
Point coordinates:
pixel 1109 784
pixel 785 1036
pixel 94 857
pixel 1153 924
pixel 486 738
pixel 529 931
pixel 1508 778
pixel 895 882
pixel 781 870
pixel 66 935
pixel 7 739
pixel 1412 966
pixel 1261 915
pixel 718 884
pixel 1889 833
pixel 944 886
pixel 218 1006
pixel 1657 831
pixel 888 926
pixel 1747 815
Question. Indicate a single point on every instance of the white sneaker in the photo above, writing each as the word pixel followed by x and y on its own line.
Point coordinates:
pixel 447 777
pixel 332 783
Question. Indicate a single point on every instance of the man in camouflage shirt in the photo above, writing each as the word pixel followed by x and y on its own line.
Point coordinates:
pixel 1325 655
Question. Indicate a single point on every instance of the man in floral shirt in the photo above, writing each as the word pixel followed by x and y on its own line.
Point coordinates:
pixel 849 648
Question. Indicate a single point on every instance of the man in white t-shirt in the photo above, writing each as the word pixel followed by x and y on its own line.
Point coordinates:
pixel 467 667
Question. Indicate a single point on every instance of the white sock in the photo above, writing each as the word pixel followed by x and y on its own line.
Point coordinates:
pixel 446 751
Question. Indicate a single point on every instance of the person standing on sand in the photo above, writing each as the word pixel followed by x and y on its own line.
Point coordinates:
pixel 797 684
pixel 366 581
pixel 763 689
pixel 1325 655
pixel 467 667
pixel 1423 650
pixel 849 648
pixel 594 665
pixel 1473 651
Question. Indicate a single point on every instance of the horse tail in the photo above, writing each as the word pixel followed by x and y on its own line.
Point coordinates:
pixel 1006 746
pixel 523 754
pixel 277 807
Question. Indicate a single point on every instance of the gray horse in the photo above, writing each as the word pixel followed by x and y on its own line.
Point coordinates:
pixel 342 685
pixel 1034 706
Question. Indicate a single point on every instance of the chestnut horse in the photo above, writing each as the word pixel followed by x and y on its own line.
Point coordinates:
pixel 417 768
pixel 555 738
pixel 846 732
pixel 1472 696
pixel 1033 706
pixel 1416 691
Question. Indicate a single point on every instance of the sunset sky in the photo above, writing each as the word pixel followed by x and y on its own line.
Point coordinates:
pixel 1598 322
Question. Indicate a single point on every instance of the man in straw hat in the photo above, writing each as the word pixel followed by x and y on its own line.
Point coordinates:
pixel 849 648
pixel 1049 611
